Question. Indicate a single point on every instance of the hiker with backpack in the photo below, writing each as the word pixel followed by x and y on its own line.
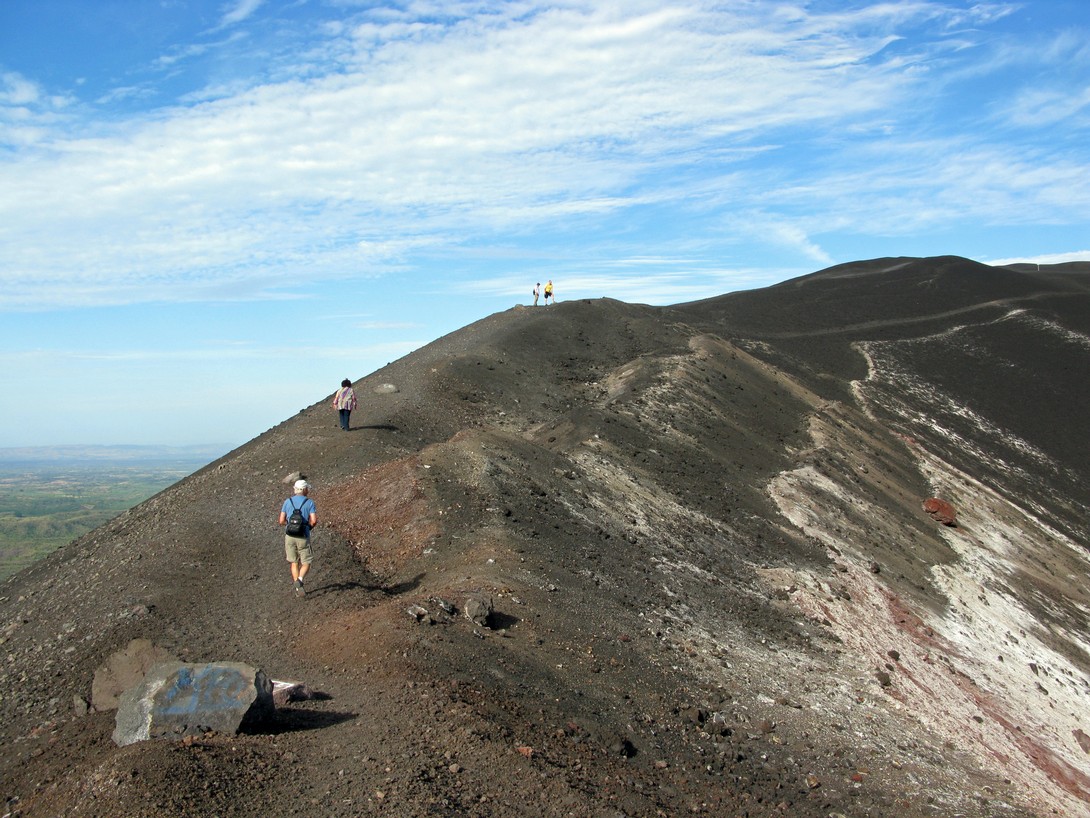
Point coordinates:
pixel 298 515
pixel 344 401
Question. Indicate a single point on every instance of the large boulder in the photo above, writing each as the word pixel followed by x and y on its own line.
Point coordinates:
pixel 125 669
pixel 178 699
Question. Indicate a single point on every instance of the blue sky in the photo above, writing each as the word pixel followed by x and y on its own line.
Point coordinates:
pixel 212 212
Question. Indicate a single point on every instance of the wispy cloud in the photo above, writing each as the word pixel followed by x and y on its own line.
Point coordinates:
pixel 1038 108
pixel 1048 258
pixel 234 13
pixel 17 90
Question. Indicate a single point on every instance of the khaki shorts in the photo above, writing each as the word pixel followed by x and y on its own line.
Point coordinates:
pixel 297 549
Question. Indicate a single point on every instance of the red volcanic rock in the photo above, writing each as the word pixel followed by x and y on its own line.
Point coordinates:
pixel 940 511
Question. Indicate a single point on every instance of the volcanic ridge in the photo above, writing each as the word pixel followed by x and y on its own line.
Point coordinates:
pixel 813 550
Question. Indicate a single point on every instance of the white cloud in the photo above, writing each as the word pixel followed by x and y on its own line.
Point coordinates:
pixel 183 53
pixel 1048 258
pixel 980 14
pixel 238 11
pixel 1038 108
pixel 906 186
pixel 16 89
pixel 776 231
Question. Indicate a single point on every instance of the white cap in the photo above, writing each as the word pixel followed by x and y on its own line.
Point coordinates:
pixel 301 486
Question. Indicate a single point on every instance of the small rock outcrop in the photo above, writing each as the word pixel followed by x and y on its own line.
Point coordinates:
pixel 178 699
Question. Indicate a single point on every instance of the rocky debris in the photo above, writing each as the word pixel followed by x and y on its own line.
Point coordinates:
pixel 444 612
pixel 386 389
pixel 478 608
pixel 179 699
pixel 941 511
pixel 619 745
pixel 446 607
pixel 123 670
pixel 695 715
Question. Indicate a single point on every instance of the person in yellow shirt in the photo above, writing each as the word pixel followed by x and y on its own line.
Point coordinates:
pixel 549 292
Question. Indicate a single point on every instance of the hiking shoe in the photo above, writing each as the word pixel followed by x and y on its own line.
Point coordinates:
pixel 299 588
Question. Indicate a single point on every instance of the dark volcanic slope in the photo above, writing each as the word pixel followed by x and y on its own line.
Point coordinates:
pixel 716 591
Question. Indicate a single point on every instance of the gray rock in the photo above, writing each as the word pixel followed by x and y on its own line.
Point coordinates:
pixel 477 608
pixel 177 699
pixel 386 389
pixel 123 670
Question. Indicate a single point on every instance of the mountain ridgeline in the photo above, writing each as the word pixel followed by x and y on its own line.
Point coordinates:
pixel 704 532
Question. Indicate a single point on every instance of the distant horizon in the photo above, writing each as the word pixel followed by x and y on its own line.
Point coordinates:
pixel 110 451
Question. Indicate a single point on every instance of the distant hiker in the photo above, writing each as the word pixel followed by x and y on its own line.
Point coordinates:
pixel 344 401
pixel 548 292
pixel 297 545
pixel 537 292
